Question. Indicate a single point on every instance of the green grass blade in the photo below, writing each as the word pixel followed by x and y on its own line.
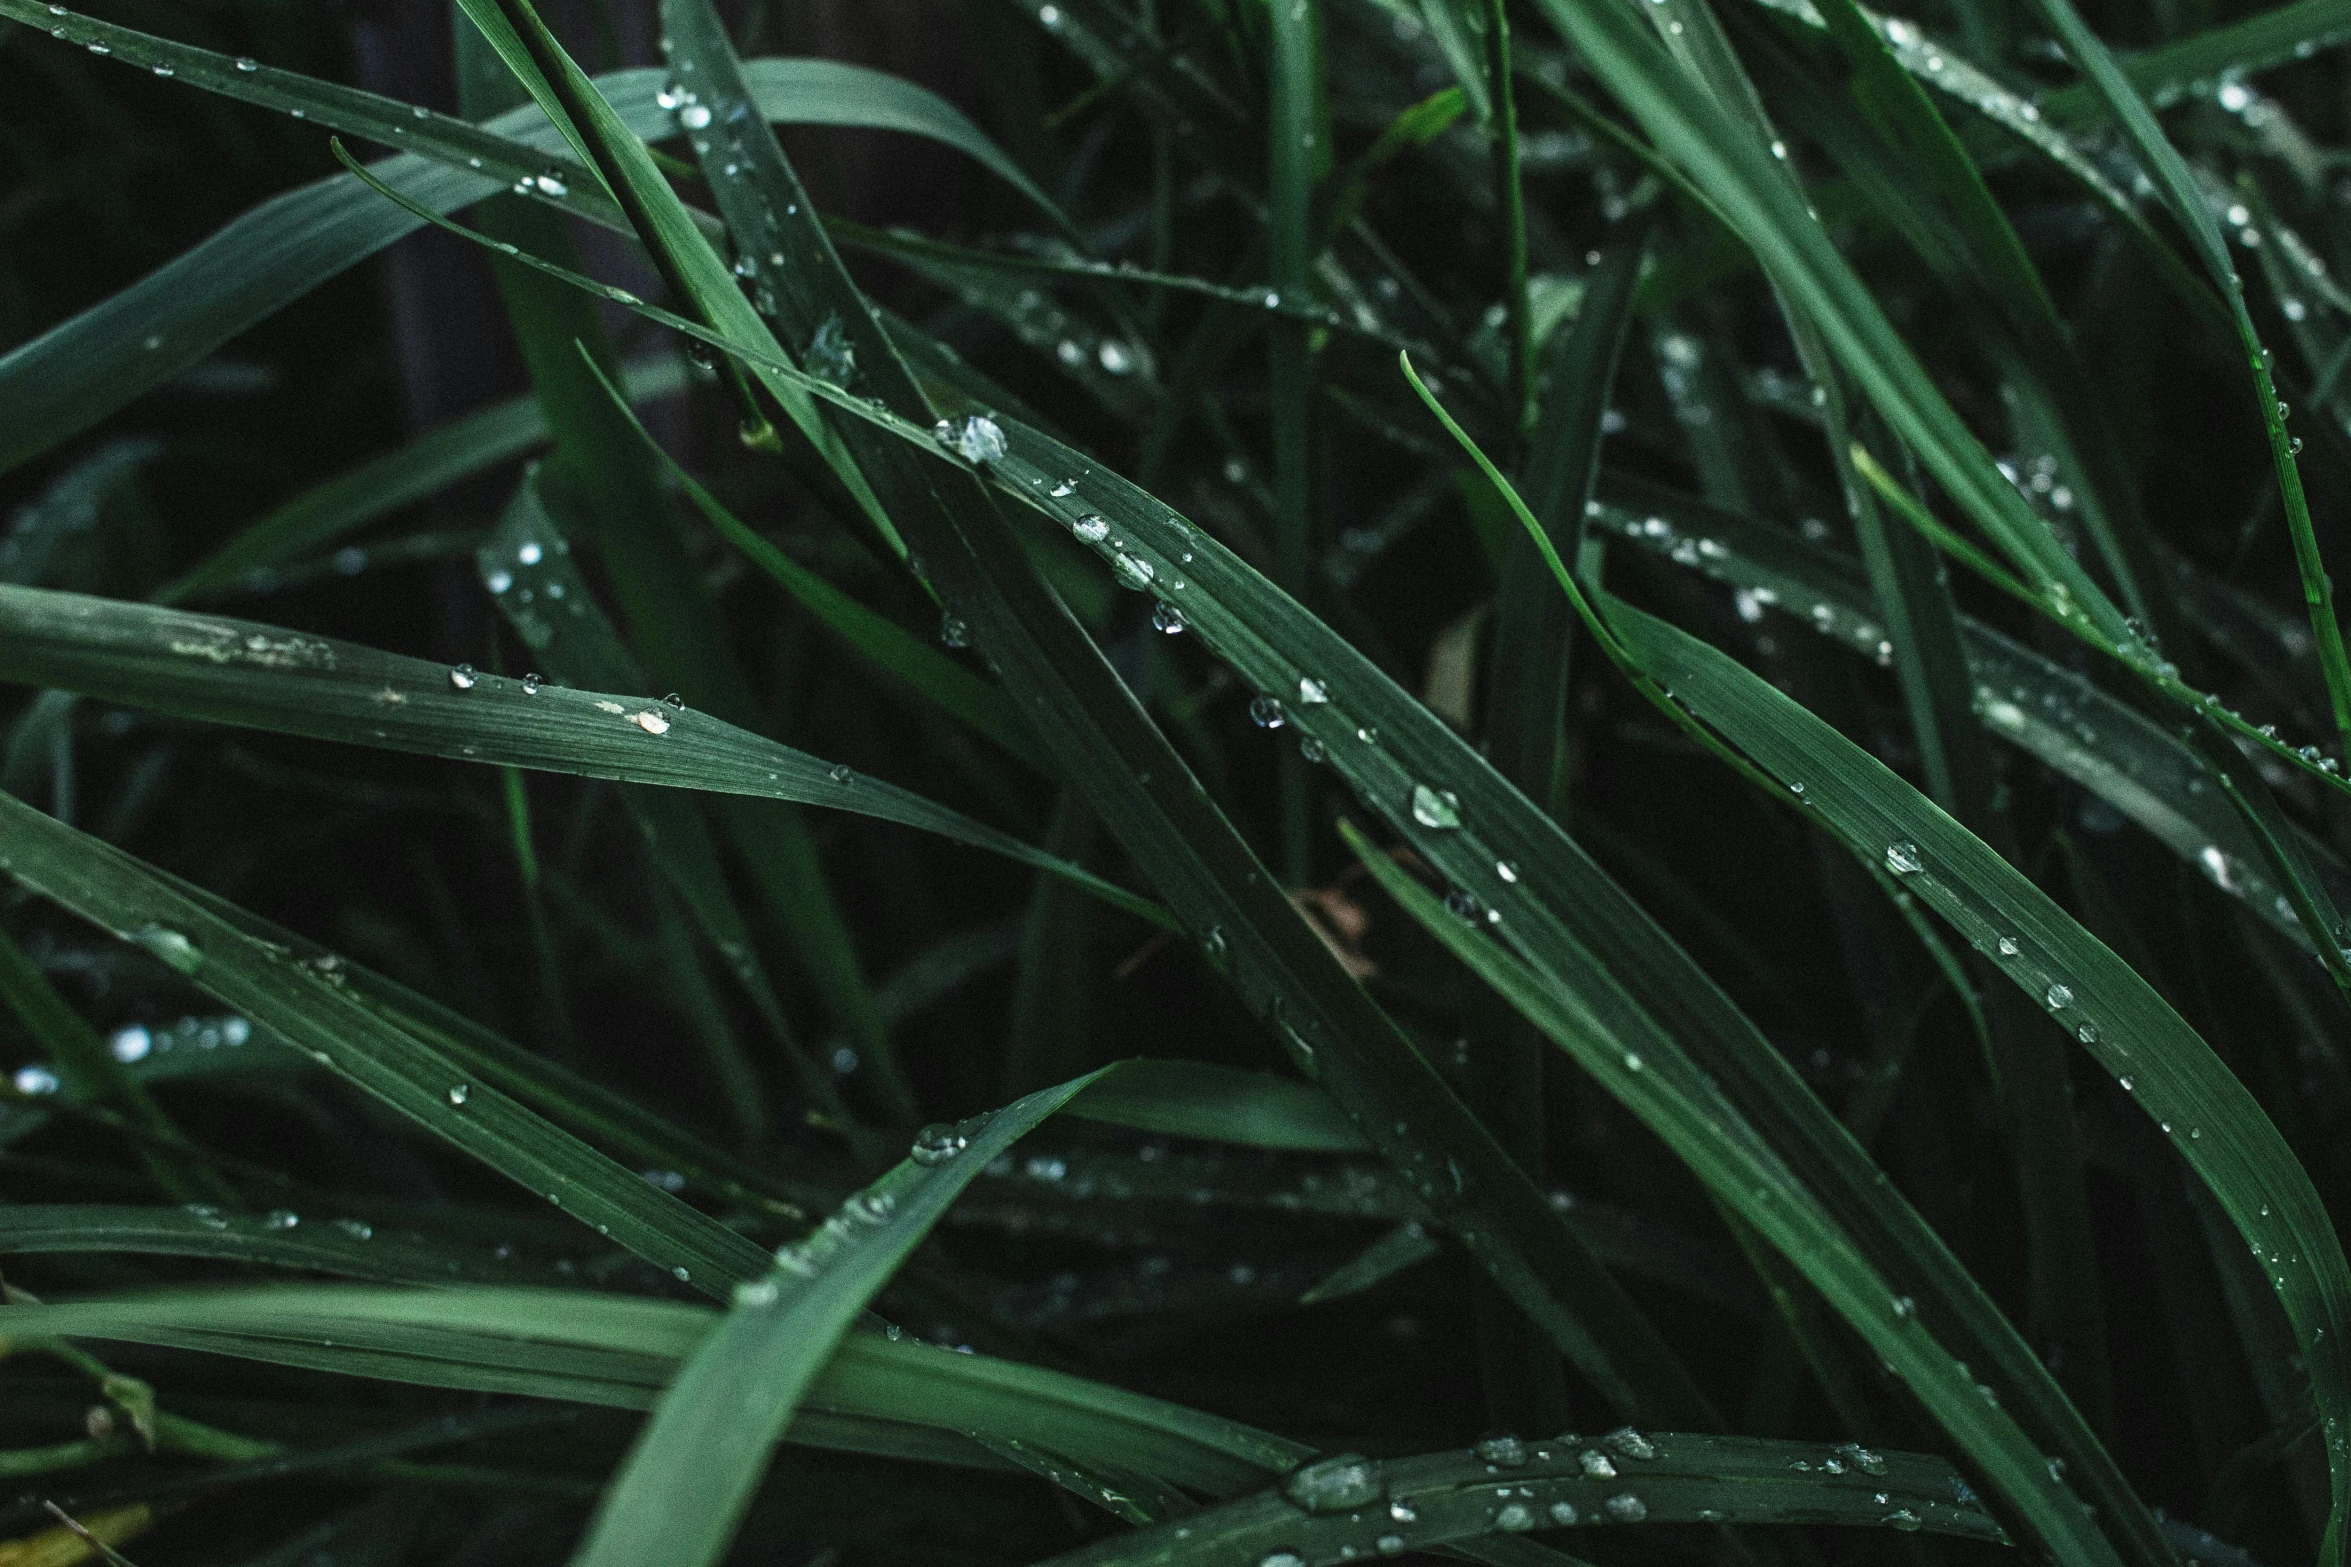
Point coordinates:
pixel 619 1351
pixel 281 1238
pixel 2185 201
pixel 682 1491
pixel 238 672
pixel 332 511
pixel 1676 1099
pixel 1147 797
pixel 2125 1025
pixel 1749 190
pixel 1346 1507
pixel 1218 1104
pixel 891 649
pixel 305 1003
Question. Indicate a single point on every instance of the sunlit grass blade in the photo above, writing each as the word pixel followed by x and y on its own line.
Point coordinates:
pixel 682 1491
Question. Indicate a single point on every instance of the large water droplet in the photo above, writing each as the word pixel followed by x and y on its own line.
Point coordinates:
pixel 1902 859
pixel 1515 1517
pixel 1334 1485
pixel 2059 995
pixel 1625 1507
pixel 694 116
pixel 1563 1514
pixel 1091 527
pixel 1596 1464
pixel 1501 1449
pixel 1311 691
pixel 131 1043
pixel 1630 1443
pixel 980 439
pixel 937 1143
pixel 1133 572
pixel 1167 618
pixel 173 948
pixel 1439 809
pixel 35 1080
pixel 463 677
pixel 459 1093
pixel 1266 713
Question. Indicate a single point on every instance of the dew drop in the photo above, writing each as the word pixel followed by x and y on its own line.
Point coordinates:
pixel 531 683
pixel 1501 1449
pixel 937 1143
pixel 1266 712
pixel 1133 572
pixel 651 721
pixel 1515 1518
pixel 1437 809
pixel 694 116
pixel 459 1093
pixel 1091 527
pixel 463 677
pixel 1902 859
pixel 2059 995
pixel 1311 691
pixel 35 1080
pixel 1625 1507
pixel 172 947
pixel 1167 618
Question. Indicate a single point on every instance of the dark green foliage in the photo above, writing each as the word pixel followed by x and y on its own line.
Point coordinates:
pixel 1712 814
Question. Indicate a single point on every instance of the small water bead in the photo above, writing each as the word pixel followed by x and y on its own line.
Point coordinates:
pixel 459 1093
pixel 1132 572
pixel 673 700
pixel 1861 1458
pixel 247 63
pixel 1334 1485
pixel 1312 692
pixel 1390 1544
pixel 1092 527
pixel 1266 713
pixel 2087 1033
pixel 35 1080
pixel 1507 871
pixel 651 722
pixel 1501 1449
pixel 281 1219
pixel 670 96
pixel 2059 995
pixel 1515 1518
pixel 1213 943
pixel 978 439
pixel 1462 903
pixel 937 1143
pixel 1625 1507
pixel 531 683
pixel 1901 1518
pixel 1403 1511
pixel 2009 947
pixel 1436 809
pixel 681 1274
pixel 357 1229
pixel 1563 1514
pixel 1064 490
pixel 840 772
pixel 1311 748
pixel 1902 859
pixel 758 1292
pixel 694 116
pixel 130 1043
pixel 173 948
pixel 1596 1464
pixel 1167 618
pixel 1116 358
pixel 953 632
pixel 1630 1443
pixel 463 677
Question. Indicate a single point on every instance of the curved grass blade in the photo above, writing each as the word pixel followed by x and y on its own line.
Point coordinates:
pixel 526 564
pixel 1672 1095
pixel 306 1004
pixel 339 507
pixel 2177 186
pixel 2060 717
pixel 238 672
pixel 683 1488
pixel 83 369
pixel 1218 1104
pixel 1750 191
pixel 280 1239
pixel 1350 1508
pixel 888 646
pixel 2183 67
pixel 620 1351
pixel 1136 783
pixel 2126 1026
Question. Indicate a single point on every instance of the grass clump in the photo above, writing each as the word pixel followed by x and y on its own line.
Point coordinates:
pixel 1436 725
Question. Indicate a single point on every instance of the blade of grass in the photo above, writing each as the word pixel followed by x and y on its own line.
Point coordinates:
pixel 239 672
pixel 306 1003
pixel 681 1492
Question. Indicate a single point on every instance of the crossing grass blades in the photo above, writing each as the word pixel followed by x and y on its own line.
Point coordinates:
pixel 1536 781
